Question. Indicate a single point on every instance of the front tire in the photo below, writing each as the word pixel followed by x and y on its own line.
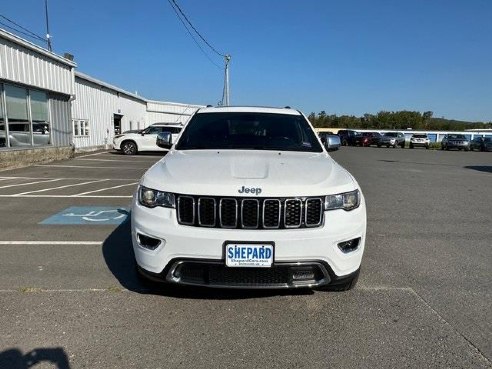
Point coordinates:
pixel 411 146
pixel 129 148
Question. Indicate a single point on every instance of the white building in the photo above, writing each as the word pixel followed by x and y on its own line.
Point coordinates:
pixel 101 110
pixel 48 110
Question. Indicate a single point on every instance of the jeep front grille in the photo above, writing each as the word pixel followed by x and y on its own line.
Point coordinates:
pixel 249 213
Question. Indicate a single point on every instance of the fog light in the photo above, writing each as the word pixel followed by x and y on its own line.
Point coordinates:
pixel 349 246
pixel 148 242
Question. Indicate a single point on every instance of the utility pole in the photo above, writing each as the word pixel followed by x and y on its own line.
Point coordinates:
pixel 226 98
pixel 48 37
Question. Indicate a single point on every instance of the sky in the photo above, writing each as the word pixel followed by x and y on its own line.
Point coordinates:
pixel 341 56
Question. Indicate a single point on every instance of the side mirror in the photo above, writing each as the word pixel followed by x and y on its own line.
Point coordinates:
pixel 332 142
pixel 164 140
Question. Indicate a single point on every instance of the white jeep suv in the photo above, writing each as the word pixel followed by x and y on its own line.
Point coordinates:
pixel 132 142
pixel 249 198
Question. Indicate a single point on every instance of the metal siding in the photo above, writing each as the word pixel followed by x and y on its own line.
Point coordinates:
pixel 98 104
pixel 61 120
pixel 21 65
pixel 153 117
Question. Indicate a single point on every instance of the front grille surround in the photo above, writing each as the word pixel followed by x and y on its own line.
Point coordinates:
pixel 250 213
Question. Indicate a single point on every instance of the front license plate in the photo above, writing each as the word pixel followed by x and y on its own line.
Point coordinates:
pixel 249 255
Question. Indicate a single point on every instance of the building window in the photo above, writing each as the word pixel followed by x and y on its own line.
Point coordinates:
pixel 40 121
pixel 18 118
pixel 27 114
pixel 80 127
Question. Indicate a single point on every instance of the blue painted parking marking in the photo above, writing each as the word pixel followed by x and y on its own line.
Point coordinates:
pixel 89 215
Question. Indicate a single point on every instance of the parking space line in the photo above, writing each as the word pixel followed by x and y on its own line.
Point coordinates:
pixel 59 187
pixel 81 166
pixel 72 178
pixel 104 189
pixel 115 160
pixel 29 183
pixel 71 196
pixel 97 153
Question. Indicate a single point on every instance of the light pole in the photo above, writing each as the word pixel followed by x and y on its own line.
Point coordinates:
pixel 226 99
pixel 48 37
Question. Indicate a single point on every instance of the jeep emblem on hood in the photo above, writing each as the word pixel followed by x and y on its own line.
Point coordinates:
pixel 252 190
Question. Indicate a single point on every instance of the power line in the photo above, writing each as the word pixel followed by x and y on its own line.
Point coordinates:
pixel 22 33
pixel 196 31
pixel 193 37
pixel 29 33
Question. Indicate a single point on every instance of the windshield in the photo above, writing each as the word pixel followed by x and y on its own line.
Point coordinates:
pixel 391 134
pixel 487 139
pixel 461 137
pixel 248 131
pixel 419 136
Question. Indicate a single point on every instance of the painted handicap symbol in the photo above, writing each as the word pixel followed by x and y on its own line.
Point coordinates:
pixel 89 215
pixel 95 216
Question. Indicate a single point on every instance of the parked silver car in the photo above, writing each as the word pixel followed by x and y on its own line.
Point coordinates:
pixel 393 139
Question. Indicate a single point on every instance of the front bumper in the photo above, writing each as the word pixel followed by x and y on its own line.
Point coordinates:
pixel 312 248
pixel 456 145
pixel 419 143
pixel 209 273
pixel 116 144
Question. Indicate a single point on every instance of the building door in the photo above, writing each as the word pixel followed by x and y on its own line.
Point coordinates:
pixel 117 123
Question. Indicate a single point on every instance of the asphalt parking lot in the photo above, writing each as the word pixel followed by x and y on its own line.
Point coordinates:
pixel 69 295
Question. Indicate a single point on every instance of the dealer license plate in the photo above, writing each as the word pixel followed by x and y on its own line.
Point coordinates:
pixel 249 255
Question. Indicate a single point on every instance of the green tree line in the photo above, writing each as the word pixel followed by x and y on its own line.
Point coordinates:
pixel 393 120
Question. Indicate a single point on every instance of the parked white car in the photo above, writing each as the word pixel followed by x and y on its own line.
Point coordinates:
pixel 249 198
pixel 132 142
pixel 419 139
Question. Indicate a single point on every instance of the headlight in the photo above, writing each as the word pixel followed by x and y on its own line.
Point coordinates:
pixel 151 198
pixel 346 201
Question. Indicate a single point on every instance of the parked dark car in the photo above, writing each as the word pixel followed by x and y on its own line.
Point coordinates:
pixel 455 141
pixel 367 139
pixel 393 139
pixel 481 144
pixel 347 137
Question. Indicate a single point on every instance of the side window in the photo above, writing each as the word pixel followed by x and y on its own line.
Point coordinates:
pixel 154 130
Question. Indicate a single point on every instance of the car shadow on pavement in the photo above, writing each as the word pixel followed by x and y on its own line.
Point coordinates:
pixel 15 359
pixel 119 257
pixel 480 168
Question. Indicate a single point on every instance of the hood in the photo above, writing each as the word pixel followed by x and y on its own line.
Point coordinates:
pixel 388 138
pixel 248 174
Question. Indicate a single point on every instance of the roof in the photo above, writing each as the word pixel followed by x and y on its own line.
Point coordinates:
pixel 109 86
pixel 248 109
pixel 38 49
pixel 177 124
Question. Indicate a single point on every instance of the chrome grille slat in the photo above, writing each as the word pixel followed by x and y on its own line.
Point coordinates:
pixel 204 211
pixel 223 209
pixel 250 207
pixel 293 213
pixel 310 212
pixel 182 203
pixel 250 213
pixel 274 214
